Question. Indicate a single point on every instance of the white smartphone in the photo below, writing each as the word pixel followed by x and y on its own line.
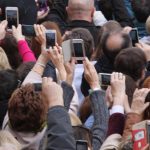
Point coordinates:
pixel 78 49
pixel 12 16
pixel 51 38
pixel 104 79
pixel 66 49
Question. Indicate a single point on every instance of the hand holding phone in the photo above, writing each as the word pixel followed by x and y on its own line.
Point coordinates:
pixel 12 16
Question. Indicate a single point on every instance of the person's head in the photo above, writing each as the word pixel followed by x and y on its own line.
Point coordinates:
pixel 8 83
pixel 9 45
pixel 132 62
pixel 27 110
pixel 108 27
pixel 113 43
pixel 24 69
pixel 4 63
pixel 7 141
pixel 85 35
pixel 36 47
pixel 80 10
pixel 141 9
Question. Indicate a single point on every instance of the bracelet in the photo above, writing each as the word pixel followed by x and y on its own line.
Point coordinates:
pixel 40 64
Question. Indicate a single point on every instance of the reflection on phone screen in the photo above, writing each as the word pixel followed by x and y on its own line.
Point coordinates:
pixel 78 51
pixel 105 79
pixel 12 18
pixel 50 40
pixel 134 37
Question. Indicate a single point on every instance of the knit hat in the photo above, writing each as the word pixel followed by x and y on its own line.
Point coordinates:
pixel 27 10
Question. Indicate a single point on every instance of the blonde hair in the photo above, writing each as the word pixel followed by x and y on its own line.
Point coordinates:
pixel 148 24
pixel 8 141
pixel 4 63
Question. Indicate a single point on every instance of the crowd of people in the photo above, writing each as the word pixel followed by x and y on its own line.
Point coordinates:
pixel 48 103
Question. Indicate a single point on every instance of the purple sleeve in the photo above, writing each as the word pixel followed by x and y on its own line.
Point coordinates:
pixel 25 52
pixel 116 124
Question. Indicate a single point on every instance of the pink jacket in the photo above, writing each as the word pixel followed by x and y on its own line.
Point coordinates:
pixel 25 52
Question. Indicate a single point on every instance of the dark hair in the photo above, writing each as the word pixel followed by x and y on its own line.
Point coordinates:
pixel 85 35
pixel 27 110
pixel 130 88
pixel 131 61
pixel 10 47
pixel 141 9
pixel 111 52
pixel 8 83
pixel 24 69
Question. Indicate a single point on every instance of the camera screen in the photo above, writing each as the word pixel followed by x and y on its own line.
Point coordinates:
pixel 78 51
pixel 50 40
pixel 134 37
pixel 12 18
pixel 28 30
pixel 105 79
pixel 148 132
pixel 81 146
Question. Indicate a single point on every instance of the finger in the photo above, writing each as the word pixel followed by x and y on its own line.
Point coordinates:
pixel 35 28
pixel 112 77
pixel 120 76
pixel 39 30
pixel 44 81
pixel 49 80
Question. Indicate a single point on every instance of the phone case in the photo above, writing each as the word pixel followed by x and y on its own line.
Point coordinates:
pixel 139 139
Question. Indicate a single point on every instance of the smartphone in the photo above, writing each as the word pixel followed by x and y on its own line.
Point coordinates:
pixel 148 131
pixel 28 30
pixel 12 16
pixel 50 38
pixel 42 5
pixel 66 49
pixel 78 49
pixel 104 79
pixel 37 87
pixel 81 145
pixel 134 36
pixel 139 139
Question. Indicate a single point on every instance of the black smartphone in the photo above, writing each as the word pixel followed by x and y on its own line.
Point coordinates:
pixel 28 30
pixel 104 79
pixel 37 87
pixel 12 16
pixel 50 38
pixel 81 145
pixel 134 36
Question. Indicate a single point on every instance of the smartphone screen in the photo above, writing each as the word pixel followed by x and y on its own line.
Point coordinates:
pixel 81 145
pixel 12 18
pixel 105 79
pixel 148 132
pixel 50 39
pixel 78 50
pixel 28 30
pixel 134 36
